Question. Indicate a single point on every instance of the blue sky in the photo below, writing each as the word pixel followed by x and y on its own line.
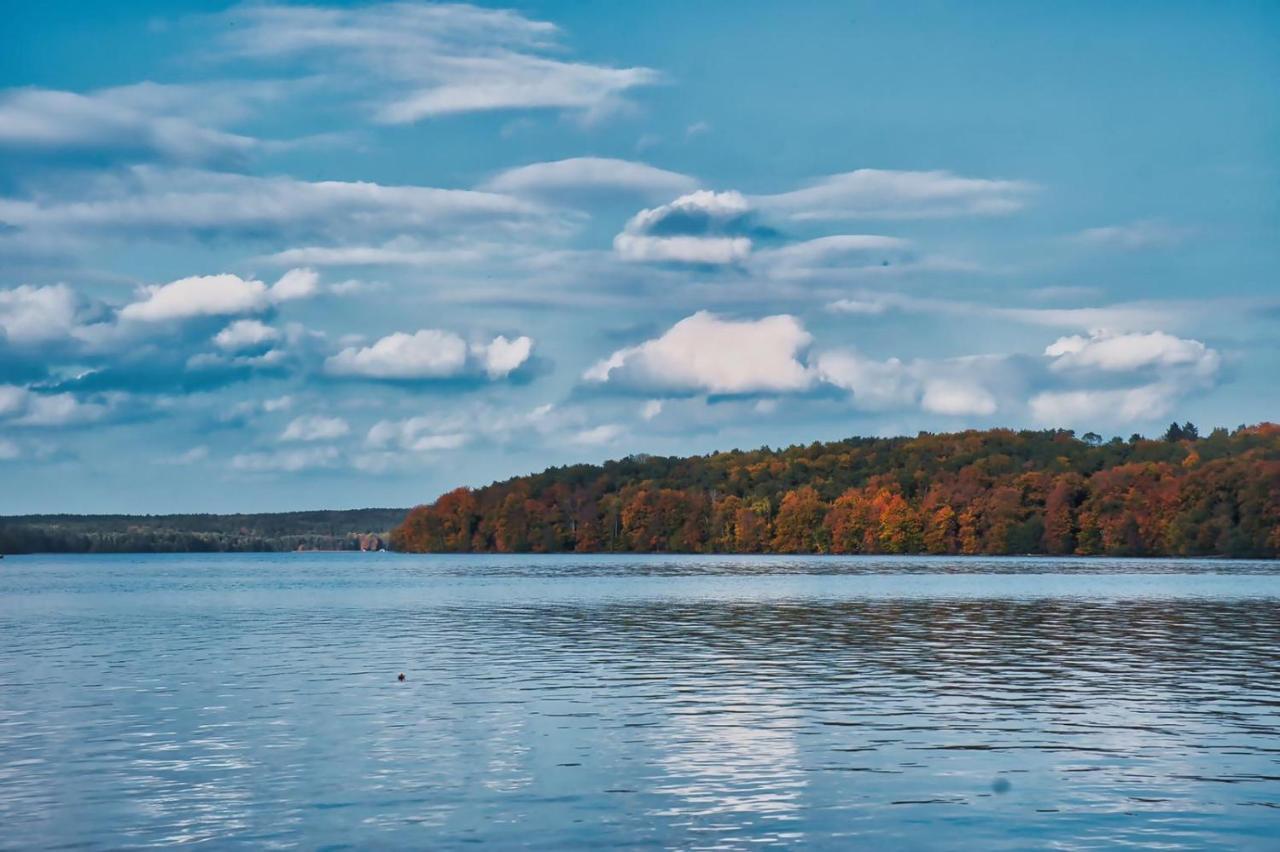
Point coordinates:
pixel 262 257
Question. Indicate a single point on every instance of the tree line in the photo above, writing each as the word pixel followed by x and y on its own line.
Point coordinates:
pixel 997 491
pixel 353 529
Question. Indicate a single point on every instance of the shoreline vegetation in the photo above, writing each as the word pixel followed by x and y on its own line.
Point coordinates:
pixel 992 492
pixel 353 529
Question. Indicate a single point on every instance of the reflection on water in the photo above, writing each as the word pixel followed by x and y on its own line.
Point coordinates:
pixel 679 702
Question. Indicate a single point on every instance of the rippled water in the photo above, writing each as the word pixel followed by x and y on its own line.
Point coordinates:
pixel 700 703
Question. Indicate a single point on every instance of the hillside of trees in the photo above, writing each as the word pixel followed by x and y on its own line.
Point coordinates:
pixel 277 531
pixel 977 492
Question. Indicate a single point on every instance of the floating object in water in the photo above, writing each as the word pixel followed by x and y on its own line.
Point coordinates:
pixel 1001 786
pixel 401 678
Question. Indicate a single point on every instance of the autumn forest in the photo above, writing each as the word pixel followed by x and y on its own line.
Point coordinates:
pixel 977 492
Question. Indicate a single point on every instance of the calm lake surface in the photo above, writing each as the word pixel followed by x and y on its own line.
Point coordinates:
pixel 640 702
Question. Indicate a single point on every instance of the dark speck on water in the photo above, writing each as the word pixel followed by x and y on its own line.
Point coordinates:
pixel 638 702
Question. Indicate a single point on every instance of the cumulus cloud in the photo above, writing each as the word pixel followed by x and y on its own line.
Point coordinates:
pixel 32 315
pixel 424 434
pixel 702 227
pixel 430 354
pixel 21 406
pixel 245 334
pixel 706 354
pixel 1113 352
pixel 887 194
pixel 295 284
pixel 581 176
pixel 432 60
pixel 216 295
pixel 1116 405
pixel 957 399
pixel 1157 370
pixel 501 356
pixel 315 427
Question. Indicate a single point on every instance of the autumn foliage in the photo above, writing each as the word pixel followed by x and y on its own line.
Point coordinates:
pixel 977 492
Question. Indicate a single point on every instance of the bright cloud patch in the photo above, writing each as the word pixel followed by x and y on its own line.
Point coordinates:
pixel 286 461
pixel 20 406
pixel 590 175
pixel 435 59
pixel 315 427
pixel 706 354
pixel 245 334
pixel 1126 352
pixel 430 354
pixel 887 194
pixel 148 201
pixel 216 295
pixel 129 121
pixel 1121 405
pixel 501 356
pixel 37 314
pixel 702 227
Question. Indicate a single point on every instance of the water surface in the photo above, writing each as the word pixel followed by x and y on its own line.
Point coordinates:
pixel 638 702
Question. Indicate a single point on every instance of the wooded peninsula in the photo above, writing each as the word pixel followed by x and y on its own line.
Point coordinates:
pixel 997 491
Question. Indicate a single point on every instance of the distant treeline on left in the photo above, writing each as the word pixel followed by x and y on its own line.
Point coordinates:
pixel 353 529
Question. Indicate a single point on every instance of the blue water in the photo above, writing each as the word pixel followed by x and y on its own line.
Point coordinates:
pixel 638 702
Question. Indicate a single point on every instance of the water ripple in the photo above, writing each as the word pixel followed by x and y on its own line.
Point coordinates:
pixel 669 703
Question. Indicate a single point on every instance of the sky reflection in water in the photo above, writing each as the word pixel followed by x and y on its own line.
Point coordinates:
pixel 638 702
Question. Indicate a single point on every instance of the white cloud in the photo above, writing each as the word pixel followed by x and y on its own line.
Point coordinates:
pixel 875 385
pixel 838 253
pixel 430 354
pixel 501 356
pixel 886 194
pixel 651 409
pixel 1133 236
pixel 944 396
pixel 195 455
pixel 702 227
pixel 859 307
pixel 594 175
pixel 199 295
pixel 20 406
pixel 280 403
pixel 9 450
pixel 30 315
pixel 315 427
pixel 597 436
pixel 147 201
pixel 716 251
pixel 142 120
pixel 1128 352
pixel 426 354
pixel 295 284
pixel 955 387
pixel 286 461
pixel 216 295
pixel 245 334
pixel 1119 405
pixel 703 353
pixel 431 60
pixel 398 252
pixel 425 434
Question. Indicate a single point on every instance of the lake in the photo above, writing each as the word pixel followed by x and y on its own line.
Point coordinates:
pixel 639 702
